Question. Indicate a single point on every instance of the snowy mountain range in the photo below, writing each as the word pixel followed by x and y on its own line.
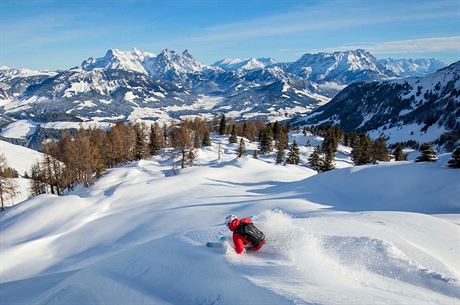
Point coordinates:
pixel 340 67
pixel 412 67
pixel 13 82
pixel 133 85
pixel 421 108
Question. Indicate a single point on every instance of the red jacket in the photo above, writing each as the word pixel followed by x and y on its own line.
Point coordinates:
pixel 239 241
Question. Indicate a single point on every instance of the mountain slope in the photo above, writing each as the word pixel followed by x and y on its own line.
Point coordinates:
pixel 145 231
pixel 115 59
pixel 13 82
pixel 19 157
pixel 99 94
pixel 342 67
pixel 429 106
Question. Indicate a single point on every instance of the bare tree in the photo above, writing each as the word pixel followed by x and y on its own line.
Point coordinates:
pixel 7 186
pixel 181 140
pixel 37 185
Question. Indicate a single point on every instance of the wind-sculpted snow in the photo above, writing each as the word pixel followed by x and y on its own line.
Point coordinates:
pixel 138 235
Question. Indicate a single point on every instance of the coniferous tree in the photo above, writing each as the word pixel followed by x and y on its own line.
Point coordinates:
pixel 362 152
pixel 428 154
pixel 280 158
pixel 330 145
pixel 140 151
pixel 328 161
pixel 287 127
pixel 315 161
pixel 165 135
pixel 233 138
pixel 399 153
pixel 308 144
pixel 255 154
pixel 206 139
pixel 276 130
pixel 266 140
pixel 245 132
pixel 380 150
pixel 241 152
pixel 222 124
pixel 330 142
pixel 353 140
pixel 294 154
pixel 154 141
pixel 346 139
pixel 454 162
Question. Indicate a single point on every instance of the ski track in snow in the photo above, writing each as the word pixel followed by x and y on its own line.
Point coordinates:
pixel 138 235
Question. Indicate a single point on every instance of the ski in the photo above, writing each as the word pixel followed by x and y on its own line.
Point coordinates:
pixel 211 244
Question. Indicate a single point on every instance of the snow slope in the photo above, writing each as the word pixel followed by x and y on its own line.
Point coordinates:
pixel 19 157
pixel 18 129
pixel 350 236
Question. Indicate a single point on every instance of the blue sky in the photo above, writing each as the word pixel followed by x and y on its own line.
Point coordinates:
pixel 61 34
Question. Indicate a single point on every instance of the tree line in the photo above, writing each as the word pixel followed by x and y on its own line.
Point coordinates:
pixel 83 156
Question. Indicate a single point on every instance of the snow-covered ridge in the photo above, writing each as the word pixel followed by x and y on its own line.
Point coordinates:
pixel 145 62
pixel 237 64
pixel 115 59
pixel 343 66
pixel 8 73
pixel 412 67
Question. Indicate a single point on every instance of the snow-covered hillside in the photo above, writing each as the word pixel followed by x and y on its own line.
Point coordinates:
pixel 414 108
pixel 21 159
pixel 376 234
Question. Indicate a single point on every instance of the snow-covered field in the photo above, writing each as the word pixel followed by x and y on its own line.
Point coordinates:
pixel 377 234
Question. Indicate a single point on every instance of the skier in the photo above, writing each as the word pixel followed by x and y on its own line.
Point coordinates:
pixel 245 234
